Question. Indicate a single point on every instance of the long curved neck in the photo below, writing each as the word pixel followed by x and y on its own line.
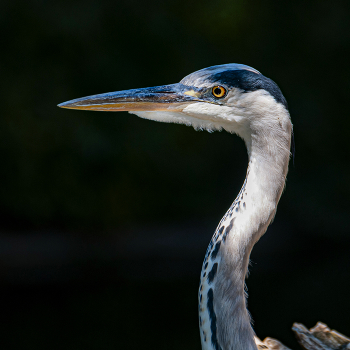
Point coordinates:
pixel 224 319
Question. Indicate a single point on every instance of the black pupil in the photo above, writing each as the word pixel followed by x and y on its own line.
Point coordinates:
pixel 217 91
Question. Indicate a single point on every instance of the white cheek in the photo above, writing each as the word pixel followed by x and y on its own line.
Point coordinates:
pixel 214 113
pixel 204 116
pixel 207 110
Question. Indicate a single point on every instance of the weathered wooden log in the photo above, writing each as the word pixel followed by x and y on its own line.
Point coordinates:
pixel 319 337
pixel 270 344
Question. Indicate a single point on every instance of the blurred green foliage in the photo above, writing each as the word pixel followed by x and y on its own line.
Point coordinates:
pixel 79 170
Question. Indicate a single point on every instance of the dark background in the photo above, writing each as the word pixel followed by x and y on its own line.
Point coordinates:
pixel 105 217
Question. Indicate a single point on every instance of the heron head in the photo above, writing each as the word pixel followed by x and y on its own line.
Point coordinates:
pixel 229 96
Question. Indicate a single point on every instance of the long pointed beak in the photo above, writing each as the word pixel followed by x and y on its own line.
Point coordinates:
pixel 160 98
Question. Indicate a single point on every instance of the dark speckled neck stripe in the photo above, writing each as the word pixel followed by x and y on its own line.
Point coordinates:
pixel 212 273
pixel 210 304
pixel 215 250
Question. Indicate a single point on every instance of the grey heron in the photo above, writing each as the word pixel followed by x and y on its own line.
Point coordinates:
pixel 240 100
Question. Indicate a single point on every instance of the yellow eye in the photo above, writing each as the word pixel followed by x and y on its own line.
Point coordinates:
pixel 218 91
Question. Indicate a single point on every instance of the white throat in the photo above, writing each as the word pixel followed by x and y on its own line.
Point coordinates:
pixel 224 319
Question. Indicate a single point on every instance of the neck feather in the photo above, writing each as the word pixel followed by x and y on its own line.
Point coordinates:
pixel 224 319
